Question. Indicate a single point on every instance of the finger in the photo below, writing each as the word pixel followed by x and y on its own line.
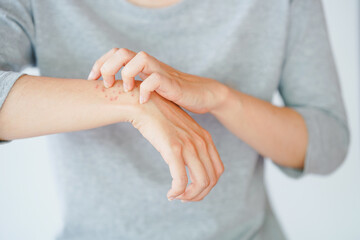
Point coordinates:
pixel 199 178
pixel 139 63
pixel 208 165
pixel 113 64
pixel 95 71
pixel 149 85
pixel 143 75
pixel 163 85
pixel 211 170
pixel 215 157
pixel 177 171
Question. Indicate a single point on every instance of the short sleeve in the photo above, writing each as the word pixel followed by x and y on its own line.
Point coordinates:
pixel 310 85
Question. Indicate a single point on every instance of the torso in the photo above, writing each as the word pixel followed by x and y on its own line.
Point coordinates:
pixel 113 181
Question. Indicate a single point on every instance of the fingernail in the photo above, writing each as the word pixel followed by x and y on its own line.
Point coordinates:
pixel 170 199
pixel 126 87
pixel 141 100
pixel 106 84
pixel 91 75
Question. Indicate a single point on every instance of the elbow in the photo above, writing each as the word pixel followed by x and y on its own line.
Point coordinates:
pixel 336 150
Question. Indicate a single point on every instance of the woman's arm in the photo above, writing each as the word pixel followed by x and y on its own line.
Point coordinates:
pixel 42 105
pixel 310 133
pixel 280 133
pixel 33 106
pixel 276 132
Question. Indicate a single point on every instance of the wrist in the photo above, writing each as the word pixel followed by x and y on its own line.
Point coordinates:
pixel 124 106
pixel 132 110
pixel 209 94
pixel 220 93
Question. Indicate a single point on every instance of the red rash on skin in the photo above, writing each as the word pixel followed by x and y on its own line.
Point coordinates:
pixel 109 96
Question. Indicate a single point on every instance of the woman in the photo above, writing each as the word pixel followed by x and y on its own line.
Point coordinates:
pixel 221 61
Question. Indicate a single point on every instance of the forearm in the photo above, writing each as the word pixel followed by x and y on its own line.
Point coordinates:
pixel 276 132
pixel 41 105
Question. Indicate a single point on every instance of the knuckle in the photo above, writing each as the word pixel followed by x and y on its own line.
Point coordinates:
pixel 207 135
pixel 199 141
pixel 182 180
pixel 221 170
pixel 104 69
pixel 213 182
pixel 176 148
pixel 156 75
pixel 125 73
pixel 190 146
pixel 113 50
pixel 122 51
pixel 204 183
pixel 144 55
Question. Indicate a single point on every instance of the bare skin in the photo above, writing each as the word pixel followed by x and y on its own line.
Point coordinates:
pixel 154 4
pixel 41 105
pixel 276 132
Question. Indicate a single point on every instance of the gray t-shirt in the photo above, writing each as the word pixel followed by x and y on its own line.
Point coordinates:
pixel 113 182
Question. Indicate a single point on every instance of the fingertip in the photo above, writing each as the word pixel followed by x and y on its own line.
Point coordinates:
pixel 91 76
pixel 126 87
pixel 169 196
pixel 146 99
pixel 179 197
pixel 109 83
pixel 173 195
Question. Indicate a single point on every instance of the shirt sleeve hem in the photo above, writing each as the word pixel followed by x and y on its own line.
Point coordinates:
pixel 310 156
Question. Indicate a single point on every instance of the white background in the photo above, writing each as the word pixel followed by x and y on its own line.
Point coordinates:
pixel 315 207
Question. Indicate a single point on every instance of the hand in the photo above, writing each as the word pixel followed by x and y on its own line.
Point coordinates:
pixel 181 142
pixel 194 93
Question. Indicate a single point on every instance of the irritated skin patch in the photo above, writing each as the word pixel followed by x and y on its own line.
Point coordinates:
pixel 110 93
